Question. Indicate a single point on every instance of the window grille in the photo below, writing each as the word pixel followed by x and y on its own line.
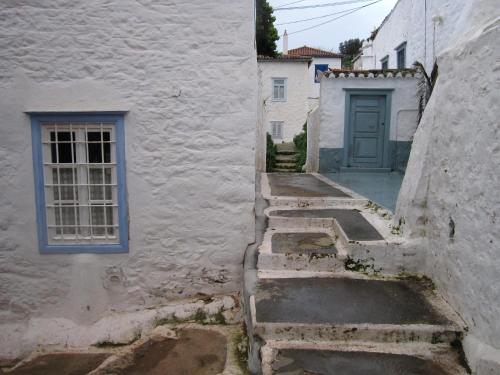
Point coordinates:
pixel 279 89
pixel 401 56
pixel 81 187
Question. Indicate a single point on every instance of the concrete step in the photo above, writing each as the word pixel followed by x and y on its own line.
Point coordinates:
pixel 280 158
pixel 352 309
pixel 289 250
pixel 339 358
pixel 285 147
pixel 285 165
pixel 284 170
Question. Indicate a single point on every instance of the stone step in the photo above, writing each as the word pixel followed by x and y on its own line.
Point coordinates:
pixel 280 158
pixel 284 170
pixel 352 309
pixel 339 358
pixel 286 153
pixel 285 147
pixel 285 165
pixel 315 251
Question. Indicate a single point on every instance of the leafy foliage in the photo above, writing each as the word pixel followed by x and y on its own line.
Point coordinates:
pixel 300 141
pixel 266 33
pixel 270 154
pixel 349 49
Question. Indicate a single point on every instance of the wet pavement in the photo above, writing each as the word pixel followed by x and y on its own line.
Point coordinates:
pixel 192 352
pixel 300 362
pixel 60 364
pixel 301 185
pixel 343 301
pixel 303 243
pixel 355 226
pixel 381 188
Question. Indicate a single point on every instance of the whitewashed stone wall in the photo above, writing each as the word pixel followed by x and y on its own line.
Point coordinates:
pixel 450 193
pixel 293 111
pixel 187 74
pixel 332 109
pixel 428 27
pixel 333 63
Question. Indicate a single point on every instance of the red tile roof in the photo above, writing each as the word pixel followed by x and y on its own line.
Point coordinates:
pixel 312 52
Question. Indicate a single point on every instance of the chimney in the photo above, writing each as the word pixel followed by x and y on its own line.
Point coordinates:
pixel 285 43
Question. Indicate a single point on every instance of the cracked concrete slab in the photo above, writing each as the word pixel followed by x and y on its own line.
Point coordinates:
pixel 344 301
pixel 354 225
pixel 318 362
pixel 303 243
pixel 301 185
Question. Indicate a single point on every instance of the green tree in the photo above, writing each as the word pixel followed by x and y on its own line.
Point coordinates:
pixel 266 33
pixel 349 49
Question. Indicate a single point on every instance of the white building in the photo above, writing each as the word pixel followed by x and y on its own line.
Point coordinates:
pixel 365 122
pixel 289 86
pixel 127 167
pixel 321 61
pixel 284 95
pixel 415 30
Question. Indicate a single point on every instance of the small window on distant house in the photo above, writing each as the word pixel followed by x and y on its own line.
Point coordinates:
pixel 79 175
pixel 401 55
pixel 385 63
pixel 279 89
pixel 318 70
pixel 277 129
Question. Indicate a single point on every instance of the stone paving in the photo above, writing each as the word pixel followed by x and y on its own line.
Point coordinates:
pixel 180 350
pixel 346 318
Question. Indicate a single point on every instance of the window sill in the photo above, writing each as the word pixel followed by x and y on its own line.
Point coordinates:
pixel 84 249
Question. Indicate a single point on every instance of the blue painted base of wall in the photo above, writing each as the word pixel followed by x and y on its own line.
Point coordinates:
pixel 331 159
pixel 399 152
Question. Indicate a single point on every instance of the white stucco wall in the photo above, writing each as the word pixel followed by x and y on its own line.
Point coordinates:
pixel 293 111
pixel 427 26
pixel 187 74
pixel 333 63
pixel 404 107
pixel 449 196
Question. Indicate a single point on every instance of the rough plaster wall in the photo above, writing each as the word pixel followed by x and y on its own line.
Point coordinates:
pixel 294 110
pixel 404 107
pixel 187 73
pixel 450 191
pixel 314 87
pixel 427 33
pixel 313 128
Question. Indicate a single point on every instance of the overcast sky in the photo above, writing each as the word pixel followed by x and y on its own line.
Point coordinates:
pixel 356 25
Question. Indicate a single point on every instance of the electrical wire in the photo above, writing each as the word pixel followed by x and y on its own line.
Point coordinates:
pixel 334 19
pixel 285 5
pixel 322 5
pixel 315 18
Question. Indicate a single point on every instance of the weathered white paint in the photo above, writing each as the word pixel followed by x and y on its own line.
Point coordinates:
pixel 313 129
pixel 293 111
pixel 426 26
pixel 403 115
pixel 187 73
pixel 333 63
pixel 449 195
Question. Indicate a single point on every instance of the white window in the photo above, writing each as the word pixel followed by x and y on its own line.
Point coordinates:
pixel 81 196
pixel 277 129
pixel 279 89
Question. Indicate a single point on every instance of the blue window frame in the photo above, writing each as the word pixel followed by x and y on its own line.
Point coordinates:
pixel 79 170
pixel 401 55
pixel 318 69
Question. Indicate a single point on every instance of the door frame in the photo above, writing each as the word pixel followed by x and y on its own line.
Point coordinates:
pixel 387 93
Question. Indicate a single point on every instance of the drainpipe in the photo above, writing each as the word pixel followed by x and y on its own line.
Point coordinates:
pixel 250 278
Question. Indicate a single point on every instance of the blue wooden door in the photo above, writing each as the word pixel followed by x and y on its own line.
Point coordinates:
pixel 366 131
